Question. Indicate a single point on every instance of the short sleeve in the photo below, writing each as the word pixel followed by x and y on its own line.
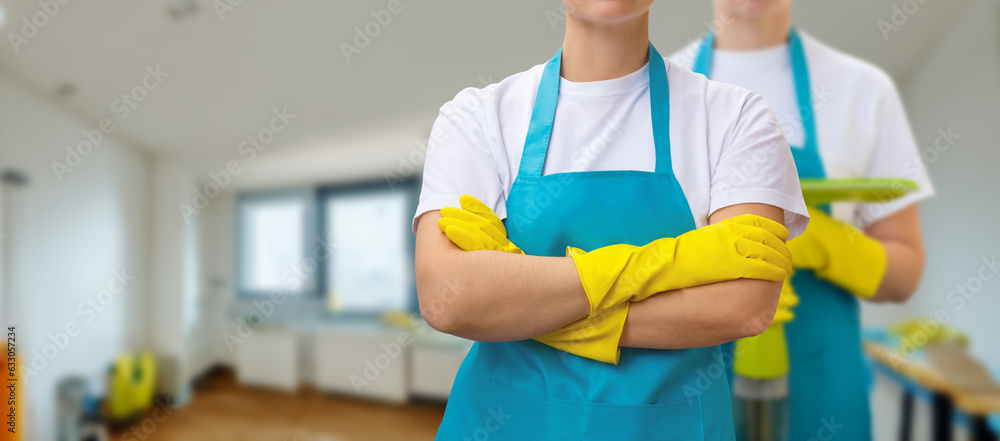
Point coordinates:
pixel 895 155
pixel 458 160
pixel 756 166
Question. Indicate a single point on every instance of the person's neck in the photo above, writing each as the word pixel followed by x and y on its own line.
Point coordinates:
pixel 604 51
pixel 748 34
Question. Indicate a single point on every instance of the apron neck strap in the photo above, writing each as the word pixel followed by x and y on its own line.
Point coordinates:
pixel 659 103
pixel 803 90
pixel 543 115
pixel 703 61
pixel 800 72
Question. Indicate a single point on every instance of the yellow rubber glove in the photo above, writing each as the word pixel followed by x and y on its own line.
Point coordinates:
pixel 596 337
pixel 743 247
pixel 786 302
pixel 475 227
pixel 840 254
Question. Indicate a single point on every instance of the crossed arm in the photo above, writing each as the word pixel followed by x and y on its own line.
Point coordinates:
pixel 496 296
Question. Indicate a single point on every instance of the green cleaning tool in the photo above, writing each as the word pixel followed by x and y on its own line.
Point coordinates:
pixel 818 192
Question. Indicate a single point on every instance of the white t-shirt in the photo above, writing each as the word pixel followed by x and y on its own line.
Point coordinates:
pixel 726 145
pixel 861 125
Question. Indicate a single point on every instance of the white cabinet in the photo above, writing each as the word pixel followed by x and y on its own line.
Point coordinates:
pixel 366 361
pixel 269 358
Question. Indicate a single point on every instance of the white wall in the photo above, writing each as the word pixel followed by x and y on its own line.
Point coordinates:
pixel 218 249
pixel 958 87
pixel 173 308
pixel 69 239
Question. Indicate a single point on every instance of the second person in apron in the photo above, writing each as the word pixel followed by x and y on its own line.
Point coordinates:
pixel 843 119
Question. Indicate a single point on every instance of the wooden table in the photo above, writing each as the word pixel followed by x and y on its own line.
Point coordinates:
pixel 946 397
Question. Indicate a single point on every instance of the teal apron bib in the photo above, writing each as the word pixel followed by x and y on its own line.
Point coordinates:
pixel 827 378
pixel 525 390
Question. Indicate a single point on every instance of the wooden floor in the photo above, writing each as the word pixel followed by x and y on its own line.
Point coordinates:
pixel 221 410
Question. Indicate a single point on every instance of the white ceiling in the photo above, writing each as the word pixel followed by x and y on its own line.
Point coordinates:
pixel 227 75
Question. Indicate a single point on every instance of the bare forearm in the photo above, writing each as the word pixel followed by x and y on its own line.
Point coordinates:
pixel 900 236
pixel 490 295
pixel 902 274
pixel 701 316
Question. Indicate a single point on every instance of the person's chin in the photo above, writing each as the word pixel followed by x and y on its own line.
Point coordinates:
pixel 608 11
pixel 757 9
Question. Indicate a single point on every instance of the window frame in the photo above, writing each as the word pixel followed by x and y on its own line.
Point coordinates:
pixel 411 190
pixel 316 226
pixel 308 195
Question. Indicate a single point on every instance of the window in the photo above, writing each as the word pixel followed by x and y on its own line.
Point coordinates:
pixel 350 244
pixel 274 229
pixel 370 269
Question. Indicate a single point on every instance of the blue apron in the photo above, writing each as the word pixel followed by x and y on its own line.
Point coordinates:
pixel 827 378
pixel 525 390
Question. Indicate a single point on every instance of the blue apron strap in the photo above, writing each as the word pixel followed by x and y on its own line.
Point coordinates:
pixel 803 95
pixel 659 103
pixel 807 159
pixel 542 115
pixel 703 61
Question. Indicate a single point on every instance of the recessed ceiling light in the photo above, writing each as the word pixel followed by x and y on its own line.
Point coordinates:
pixel 180 9
pixel 65 90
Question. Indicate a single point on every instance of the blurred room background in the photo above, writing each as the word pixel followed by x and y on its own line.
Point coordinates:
pixel 227 187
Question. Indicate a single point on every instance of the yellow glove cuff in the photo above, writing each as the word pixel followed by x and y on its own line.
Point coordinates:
pixel 601 274
pixel 860 272
pixel 596 338
pixel 841 254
